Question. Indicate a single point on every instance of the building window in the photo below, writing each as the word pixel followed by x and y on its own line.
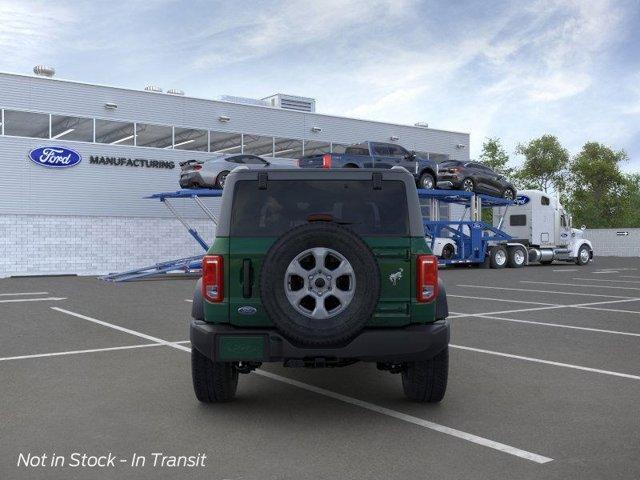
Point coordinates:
pixel 114 133
pixel 158 136
pixel 258 145
pixel 287 148
pixel 312 147
pixel 26 124
pixel 72 128
pixel 190 139
pixel 222 142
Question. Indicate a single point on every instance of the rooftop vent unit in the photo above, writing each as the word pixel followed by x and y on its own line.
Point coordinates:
pixel 44 71
pixel 175 91
pixel 422 124
pixel 292 102
pixel 153 88
pixel 244 100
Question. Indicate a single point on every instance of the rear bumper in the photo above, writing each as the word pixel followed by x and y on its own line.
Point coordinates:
pixel 225 343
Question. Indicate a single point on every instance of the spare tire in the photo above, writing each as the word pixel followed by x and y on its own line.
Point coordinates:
pixel 319 284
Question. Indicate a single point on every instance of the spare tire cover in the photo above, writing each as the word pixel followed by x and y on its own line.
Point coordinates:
pixel 319 284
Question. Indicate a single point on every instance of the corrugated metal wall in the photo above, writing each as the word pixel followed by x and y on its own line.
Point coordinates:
pixel 614 242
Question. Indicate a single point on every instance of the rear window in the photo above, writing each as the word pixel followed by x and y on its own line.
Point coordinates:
pixel 357 151
pixel 450 163
pixel 285 204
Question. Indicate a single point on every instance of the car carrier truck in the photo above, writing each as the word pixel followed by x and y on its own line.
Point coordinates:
pixel 533 228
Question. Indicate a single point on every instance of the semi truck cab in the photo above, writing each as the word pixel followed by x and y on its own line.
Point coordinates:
pixel 540 222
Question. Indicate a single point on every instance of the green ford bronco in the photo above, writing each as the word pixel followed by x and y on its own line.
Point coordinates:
pixel 319 268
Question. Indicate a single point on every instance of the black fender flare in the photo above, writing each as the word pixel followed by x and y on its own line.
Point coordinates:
pixel 442 306
pixel 197 307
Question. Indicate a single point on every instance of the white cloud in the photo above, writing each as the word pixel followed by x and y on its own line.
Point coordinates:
pixel 29 27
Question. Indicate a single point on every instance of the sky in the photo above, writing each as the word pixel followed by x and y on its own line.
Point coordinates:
pixel 513 70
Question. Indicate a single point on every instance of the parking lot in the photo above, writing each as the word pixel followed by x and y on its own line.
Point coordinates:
pixel 544 382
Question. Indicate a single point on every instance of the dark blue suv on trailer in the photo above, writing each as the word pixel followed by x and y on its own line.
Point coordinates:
pixel 378 155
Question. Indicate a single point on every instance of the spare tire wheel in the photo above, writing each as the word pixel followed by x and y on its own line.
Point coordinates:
pixel 319 284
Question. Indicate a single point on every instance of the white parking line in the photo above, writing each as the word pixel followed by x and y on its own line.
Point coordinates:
pixel 76 352
pixel 547 324
pixel 547 362
pixel 353 401
pixel 188 300
pixel 23 293
pixel 616 287
pixel 47 299
pixel 410 419
pixel 606 280
pixel 502 300
pixel 92 350
pixel 566 270
pixel 122 329
pixel 629 276
pixel 545 291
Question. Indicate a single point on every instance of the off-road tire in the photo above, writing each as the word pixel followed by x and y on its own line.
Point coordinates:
pixel 221 179
pixel 426 381
pixel 335 330
pixel 426 178
pixel 213 382
pixel 495 257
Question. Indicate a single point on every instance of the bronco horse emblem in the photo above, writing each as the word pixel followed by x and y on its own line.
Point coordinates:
pixel 394 277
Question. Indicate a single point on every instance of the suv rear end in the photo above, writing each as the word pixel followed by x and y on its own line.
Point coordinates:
pixel 319 268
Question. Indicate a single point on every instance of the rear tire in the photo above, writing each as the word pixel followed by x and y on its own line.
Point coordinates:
pixel 498 257
pixel 448 251
pixel 509 194
pixel 468 185
pixel 221 179
pixel 213 382
pixel 426 381
pixel 517 257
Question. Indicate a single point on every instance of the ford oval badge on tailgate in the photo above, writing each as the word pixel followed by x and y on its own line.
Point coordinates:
pixel 55 157
pixel 247 310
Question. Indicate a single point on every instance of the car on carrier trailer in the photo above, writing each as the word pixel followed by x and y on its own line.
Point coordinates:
pixel 378 155
pixel 319 268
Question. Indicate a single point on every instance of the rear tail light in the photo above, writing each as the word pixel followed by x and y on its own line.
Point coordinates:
pixel 427 278
pixel 212 278
pixel 197 167
pixel 326 160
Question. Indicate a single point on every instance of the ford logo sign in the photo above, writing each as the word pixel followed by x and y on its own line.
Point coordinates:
pixel 247 310
pixel 55 157
pixel 521 200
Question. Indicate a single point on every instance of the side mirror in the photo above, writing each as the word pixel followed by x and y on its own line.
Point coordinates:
pixel 267 163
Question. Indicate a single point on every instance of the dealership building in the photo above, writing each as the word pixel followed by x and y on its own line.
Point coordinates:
pixel 91 217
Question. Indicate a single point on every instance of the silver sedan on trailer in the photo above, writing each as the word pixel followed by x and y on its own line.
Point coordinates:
pixel 211 173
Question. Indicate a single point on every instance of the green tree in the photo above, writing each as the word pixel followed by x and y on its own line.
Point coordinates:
pixel 545 164
pixel 600 193
pixel 495 156
pixel 632 214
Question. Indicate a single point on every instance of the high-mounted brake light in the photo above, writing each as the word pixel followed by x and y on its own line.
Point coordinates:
pixel 427 278
pixel 212 278
pixel 326 160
